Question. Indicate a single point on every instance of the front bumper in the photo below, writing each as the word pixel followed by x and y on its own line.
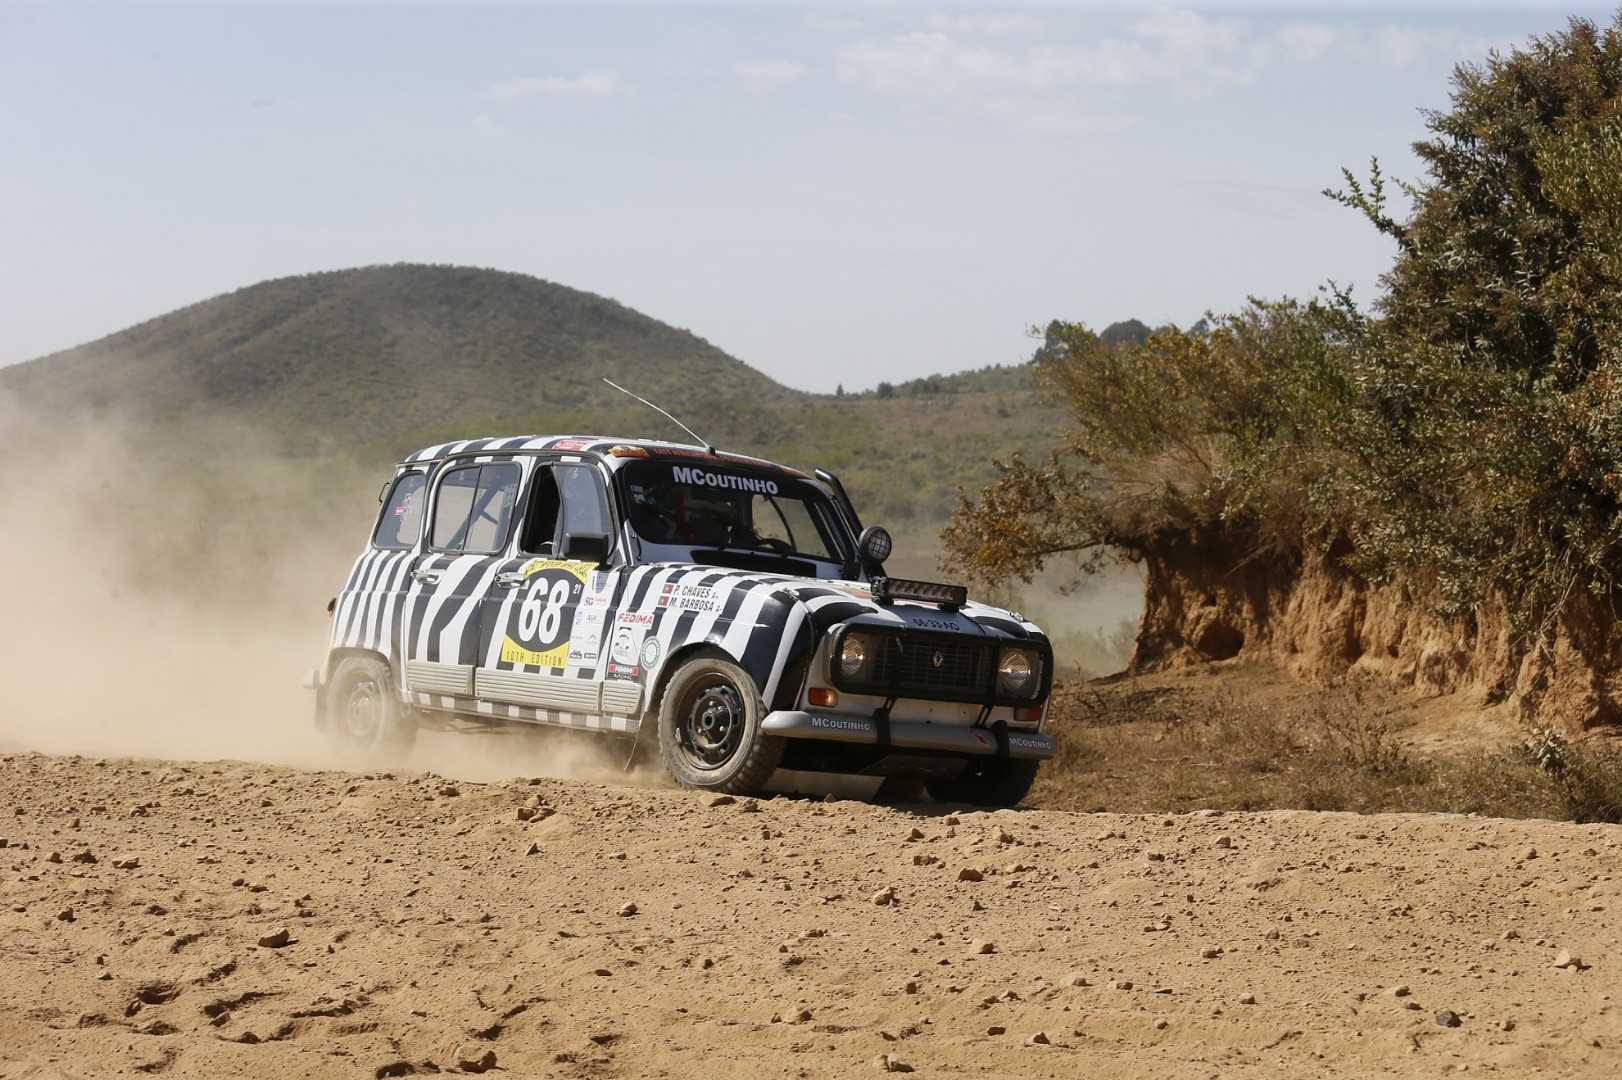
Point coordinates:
pixel 998 740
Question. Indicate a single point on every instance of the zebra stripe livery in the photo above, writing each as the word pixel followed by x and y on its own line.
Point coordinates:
pixel 563 581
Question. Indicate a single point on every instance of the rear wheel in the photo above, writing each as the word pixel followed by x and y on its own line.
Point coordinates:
pixel 992 781
pixel 365 720
pixel 709 728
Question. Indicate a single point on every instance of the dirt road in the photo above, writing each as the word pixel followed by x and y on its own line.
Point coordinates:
pixel 245 920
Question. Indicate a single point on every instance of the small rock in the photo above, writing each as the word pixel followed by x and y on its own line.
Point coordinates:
pixel 450 791
pixel 884 896
pixel 978 947
pixel 475 1059
pixel 1489 943
pixel 1529 854
pixel 276 939
pixel 891 1063
pixel 534 849
pixel 66 914
pixel 911 987
pixel 916 834
pixel 1003 836
pixel 627 910
pixel 1224 842
pixel 722 800
pixel 750 806
pixel 1162 1024
pixel 969 873
pixel 1040 1039
pixel 526 813
pixel 1512 934
pixel 1448 1018
pixel 1121 984
pixel 1210 953
pixel 1075 978
pixel 604 972
pixel 1506 1024
pixel 128 863
pixel 996 1029
pixel 54 857
pixel 1398 991
pixel 1247 999
pixel 1565 959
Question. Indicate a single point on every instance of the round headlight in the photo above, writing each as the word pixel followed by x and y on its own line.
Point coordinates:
pixel 855 655
pixel 874 544
pixel 1017 673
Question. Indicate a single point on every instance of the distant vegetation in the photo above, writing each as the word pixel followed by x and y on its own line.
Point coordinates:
pixel 283 403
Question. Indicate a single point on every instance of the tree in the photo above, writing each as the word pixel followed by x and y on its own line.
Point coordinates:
pixel 1465 438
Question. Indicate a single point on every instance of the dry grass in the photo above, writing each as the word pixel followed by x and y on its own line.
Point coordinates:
pixel 1167 746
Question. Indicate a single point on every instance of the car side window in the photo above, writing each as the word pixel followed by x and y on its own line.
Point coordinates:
pixel 541 519
pixel 401 522
pixel 473 508
pixel 585 503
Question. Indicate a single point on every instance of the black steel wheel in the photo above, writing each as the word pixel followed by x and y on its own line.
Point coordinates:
pixel 709 728
pixel 365 720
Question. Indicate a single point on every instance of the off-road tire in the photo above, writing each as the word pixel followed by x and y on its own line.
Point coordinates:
pixel 992 781
pixel 709 728
pixel 365 719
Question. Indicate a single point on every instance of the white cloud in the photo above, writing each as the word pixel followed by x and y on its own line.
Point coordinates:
pixel 487 128
pixel 603 82
pixel 831 23
pixel 996 23
pixel 764 76
pixel 963 62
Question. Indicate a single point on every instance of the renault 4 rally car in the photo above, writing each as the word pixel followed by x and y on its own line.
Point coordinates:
pixel 733 610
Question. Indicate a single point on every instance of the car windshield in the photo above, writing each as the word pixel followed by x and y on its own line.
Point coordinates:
pixel 719 505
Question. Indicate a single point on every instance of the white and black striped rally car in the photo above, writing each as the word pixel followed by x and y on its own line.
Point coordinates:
pixel 735 606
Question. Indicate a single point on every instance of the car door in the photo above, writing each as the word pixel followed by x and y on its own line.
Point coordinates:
pixel 545 615
pixel 471 514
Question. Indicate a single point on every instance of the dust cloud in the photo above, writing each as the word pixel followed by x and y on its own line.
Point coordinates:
pixel 168 601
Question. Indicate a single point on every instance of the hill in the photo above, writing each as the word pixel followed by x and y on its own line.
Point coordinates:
pixel 331 362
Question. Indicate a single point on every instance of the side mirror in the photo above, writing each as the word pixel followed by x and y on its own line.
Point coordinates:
pixel 587 547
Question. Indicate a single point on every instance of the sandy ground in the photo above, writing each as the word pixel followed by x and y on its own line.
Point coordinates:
pixel 229 919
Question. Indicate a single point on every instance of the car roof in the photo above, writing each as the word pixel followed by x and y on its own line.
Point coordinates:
pixel 613 451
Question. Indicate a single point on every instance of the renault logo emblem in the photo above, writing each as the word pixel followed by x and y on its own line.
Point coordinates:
pixel 938 659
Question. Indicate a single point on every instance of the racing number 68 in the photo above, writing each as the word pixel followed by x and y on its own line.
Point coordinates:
pixel 540 617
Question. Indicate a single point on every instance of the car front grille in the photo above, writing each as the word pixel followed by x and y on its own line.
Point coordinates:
pixel 937 667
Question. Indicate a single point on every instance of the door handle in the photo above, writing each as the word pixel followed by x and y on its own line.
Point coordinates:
pixel 429 576
pixel 509 581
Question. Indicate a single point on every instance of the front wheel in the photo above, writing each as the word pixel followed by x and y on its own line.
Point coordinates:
pixel 709 728
pixel 364 718
pixel 988 782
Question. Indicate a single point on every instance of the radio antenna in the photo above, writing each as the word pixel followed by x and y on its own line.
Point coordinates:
pixel 708 448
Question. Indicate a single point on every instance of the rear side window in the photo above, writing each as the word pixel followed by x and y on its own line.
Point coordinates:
pixel 474 507
pixel 401 523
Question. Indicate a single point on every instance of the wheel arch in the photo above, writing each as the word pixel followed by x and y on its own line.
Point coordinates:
pixel 335 658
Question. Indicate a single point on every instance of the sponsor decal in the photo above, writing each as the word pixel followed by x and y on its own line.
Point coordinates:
pixel 979 737
pixel 570 444
pixel 929 623
pixel 537 633
pixel 650 652
pixel 627 451
pixel 599 589
pixel 585 635
pixel 690 597
pixel 1027 743
pixel 834 723
pixel 626 645
pixel 681 474
pixel 622 672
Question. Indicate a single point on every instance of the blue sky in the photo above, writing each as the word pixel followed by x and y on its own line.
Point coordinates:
pixel 834 194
